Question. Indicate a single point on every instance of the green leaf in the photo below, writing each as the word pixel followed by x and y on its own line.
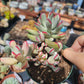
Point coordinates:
pixel 33 32
pixel 40 27
pixel 43 19
pixel 55 21
pixel 33 38
pixel 50 15
pixel 52 44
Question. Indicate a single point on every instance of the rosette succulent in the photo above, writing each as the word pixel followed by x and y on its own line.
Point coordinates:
pixel 49 29
pixel 16 55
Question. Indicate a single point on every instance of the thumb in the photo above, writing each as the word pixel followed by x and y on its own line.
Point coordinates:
pixel 76 58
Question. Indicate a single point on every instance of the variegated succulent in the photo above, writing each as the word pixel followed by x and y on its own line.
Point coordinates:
pixel 16 55
pixel 3 70
pixel 49 29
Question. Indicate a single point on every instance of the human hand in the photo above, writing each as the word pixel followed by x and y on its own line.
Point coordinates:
pixel 75 53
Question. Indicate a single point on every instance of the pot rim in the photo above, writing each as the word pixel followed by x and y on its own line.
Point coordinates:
pixel 64 46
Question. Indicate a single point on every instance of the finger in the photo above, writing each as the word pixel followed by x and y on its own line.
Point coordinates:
pixel 74 57
pixel 79 42
pixel 68 53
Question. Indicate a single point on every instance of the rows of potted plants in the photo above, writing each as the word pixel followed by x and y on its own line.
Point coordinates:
pixel 42 58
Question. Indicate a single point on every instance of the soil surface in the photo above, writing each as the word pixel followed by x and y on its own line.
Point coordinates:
pixel 45 75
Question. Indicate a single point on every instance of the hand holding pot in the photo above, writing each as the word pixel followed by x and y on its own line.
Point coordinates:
pixel 75 53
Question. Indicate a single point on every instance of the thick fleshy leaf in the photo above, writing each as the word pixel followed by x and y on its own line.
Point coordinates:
pixel 8 61
pixel 59 26
pixel 16 50
pixel 40 27
pixel 51 60
pixel 39 21
pixel 41 35
pixel 33 32
pixel 56 56
pixel 52 44
pixel 48 23
pixel 55 21
pixel 25 48
pixel 50 15
pixel 7 50
pixel 60 46
pixel 12 43
pixel 33 38
pixel 58 36
pixel 50 50
pixel 43 19
pixel 6 36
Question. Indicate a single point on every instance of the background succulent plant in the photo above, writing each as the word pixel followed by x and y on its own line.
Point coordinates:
pixel 16 55
pixel 3 70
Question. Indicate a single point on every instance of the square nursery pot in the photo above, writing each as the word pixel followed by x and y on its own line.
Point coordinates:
pixel 34 71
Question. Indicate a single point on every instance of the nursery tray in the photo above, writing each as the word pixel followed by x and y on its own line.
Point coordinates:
pixel 11 24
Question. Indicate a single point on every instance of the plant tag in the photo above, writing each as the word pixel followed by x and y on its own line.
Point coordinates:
pixel 71 31
pixel 18 77
pixel 22 17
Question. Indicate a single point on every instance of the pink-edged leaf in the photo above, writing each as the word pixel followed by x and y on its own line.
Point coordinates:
pixel 26 65
pixel 51 50
pixel 63 34
pixel 18 47
pixel 40 27
pixel 49 21
pixel 43 19
pixel 25 48
pixel 12 43
pixel 37 24
pixel 41 35
pixel 50 15
pixel 15 55
pixel 58 15
pixel 60 46
pixel 59 23
pixel 39 21
pixel 45 32
pixel 55 21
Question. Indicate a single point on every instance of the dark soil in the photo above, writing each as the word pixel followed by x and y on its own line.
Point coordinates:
pixel 46 76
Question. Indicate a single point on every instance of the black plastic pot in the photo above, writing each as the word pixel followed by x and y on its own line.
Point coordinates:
pixel 71 78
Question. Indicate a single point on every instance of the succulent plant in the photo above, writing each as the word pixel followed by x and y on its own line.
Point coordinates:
pixel 16 55
pixel 50 26
pixel 3 41
pixel 10 80
pixel 49 29
pixel 3 70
